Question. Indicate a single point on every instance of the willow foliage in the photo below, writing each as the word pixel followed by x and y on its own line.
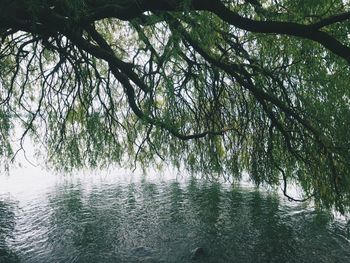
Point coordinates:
pixel 217 87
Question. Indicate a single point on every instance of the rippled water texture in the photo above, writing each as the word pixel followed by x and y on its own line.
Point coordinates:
pixel 140 220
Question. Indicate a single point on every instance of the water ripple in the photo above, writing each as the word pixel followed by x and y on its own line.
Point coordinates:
pixel 150 222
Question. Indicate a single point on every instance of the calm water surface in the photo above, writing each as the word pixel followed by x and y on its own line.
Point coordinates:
pixel 120 218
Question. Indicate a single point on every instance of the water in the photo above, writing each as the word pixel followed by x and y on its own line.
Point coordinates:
pixel 123 218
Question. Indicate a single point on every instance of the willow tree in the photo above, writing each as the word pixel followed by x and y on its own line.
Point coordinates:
pixel 215 86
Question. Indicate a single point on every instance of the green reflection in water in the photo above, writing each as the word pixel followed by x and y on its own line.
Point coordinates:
pixel 162 222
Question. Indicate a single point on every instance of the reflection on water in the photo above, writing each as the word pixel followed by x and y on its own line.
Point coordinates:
pixel 148 221
pixel 7 224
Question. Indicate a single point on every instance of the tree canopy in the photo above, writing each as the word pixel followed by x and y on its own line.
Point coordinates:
pixel 213 86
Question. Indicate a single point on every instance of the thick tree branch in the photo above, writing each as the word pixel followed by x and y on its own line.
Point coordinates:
pixel 311 32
